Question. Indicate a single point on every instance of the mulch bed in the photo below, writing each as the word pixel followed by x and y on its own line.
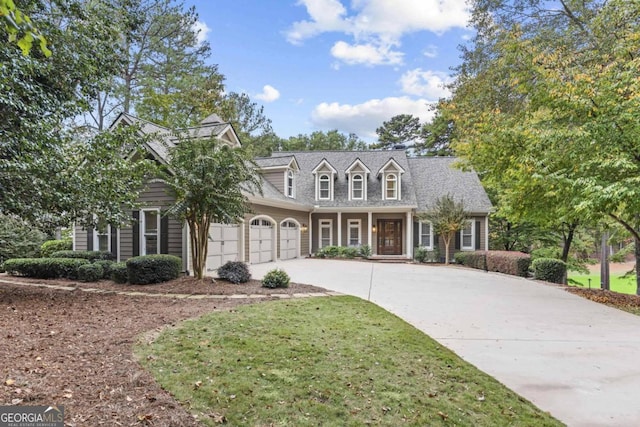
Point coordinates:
pixel 608 297
pixel 74 348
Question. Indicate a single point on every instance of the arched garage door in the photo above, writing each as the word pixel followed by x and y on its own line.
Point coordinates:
pixel 224 245
pixel 289 238
pixel 262 240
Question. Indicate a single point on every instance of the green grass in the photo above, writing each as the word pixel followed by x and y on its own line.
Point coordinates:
pixel 331 361
pixel 617 283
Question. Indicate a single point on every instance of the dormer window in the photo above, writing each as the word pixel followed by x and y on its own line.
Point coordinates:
pixel 357 187
pixel 390 176
pixel 357 174
pixel 325 174
pixel 391 187
pixel 289 183
pixel 324 187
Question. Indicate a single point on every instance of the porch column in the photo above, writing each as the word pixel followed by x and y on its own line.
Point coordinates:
pixel 339 229
pixel 310 231
pixel 409 231
pixel 369 230
pixel 486 232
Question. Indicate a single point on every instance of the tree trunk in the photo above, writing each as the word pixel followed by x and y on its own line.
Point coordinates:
pixel 567 240
pixel 447 241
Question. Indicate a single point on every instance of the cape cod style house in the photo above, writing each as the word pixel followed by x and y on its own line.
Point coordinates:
pixel 310 200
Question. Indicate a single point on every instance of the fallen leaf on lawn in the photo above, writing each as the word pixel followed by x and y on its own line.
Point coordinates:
pixel 16 401
pixel 67 394
pixel 129 399
pixel 443 415
pixel 432 394
pixel 218 418
pixel 38 359
pixel 233 396
pixel 197 385
pixel 481 398
pixel 10 382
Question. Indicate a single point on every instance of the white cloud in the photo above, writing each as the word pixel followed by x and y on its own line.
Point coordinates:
pixel 269 94
pixel 363 119
pixel 366 54
pixel 378 25
pixel 202 30
pixel 429 84
pixel 431 51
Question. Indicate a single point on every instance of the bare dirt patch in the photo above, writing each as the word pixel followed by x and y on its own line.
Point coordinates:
pixel 74 348
pixel 625 302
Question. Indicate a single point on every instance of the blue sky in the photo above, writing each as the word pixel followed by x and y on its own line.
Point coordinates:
pixel 335 64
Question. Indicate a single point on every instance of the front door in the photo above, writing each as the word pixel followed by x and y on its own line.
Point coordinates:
pixel 389 237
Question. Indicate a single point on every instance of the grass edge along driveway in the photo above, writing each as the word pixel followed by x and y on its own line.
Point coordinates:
pixel 325 361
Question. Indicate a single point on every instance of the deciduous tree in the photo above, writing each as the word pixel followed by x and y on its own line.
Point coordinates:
pixel 447 218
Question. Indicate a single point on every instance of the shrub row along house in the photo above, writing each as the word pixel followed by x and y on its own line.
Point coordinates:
pixel 310 200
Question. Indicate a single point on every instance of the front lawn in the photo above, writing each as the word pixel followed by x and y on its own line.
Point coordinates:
pixel 325 361
pixel 617 283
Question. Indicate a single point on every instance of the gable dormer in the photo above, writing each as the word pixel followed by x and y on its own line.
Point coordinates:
pixel 324 176
pixel 290 173
pixel 282 172
pixel 390 175
pixel 358 176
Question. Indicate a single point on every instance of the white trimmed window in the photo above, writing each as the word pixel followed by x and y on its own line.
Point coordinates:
pixel 391 187
pixel 325 237
pixel 149 231
pixel 355 232
pixel 425 233
pixel 102 237
pixel 324 187
pixel 357 187
pixel 467 237
pixel 290 184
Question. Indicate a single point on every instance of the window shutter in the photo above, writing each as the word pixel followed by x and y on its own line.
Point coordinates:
pixel 164 235
pixel 114 242
pixel 457 245
pixel 436 244
pixel 89 239
pixel 136 233
pixel 478 235
pixel 416 236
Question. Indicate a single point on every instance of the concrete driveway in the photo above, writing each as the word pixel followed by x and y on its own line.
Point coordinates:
pixel 572 357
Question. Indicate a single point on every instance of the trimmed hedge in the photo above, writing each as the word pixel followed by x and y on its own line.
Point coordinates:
pixel 90 272
pixel 475 259
pixel 44 268
pixel 276 279
pixel 88 255
pixel 106 267
pixel 51 246
pixel 148 269
pixel 549 269
pixel 235 272
pixel 509 262
pixel 119 272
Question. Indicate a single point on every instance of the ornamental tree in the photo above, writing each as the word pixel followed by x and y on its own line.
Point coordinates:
pixel 447 218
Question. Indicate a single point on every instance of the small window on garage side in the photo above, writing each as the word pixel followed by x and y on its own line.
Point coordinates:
pixel 467 236
pixel 290 184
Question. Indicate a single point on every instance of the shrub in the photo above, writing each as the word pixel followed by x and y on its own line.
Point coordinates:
pixel 276 279
pixel 475 259
pixel 235 272
pixel 44 268
pixel 460 257
pixel 329 252
pixel 119 272
pixel 90 272
pixel 106 267
pixel 348 252
pixel 420 254
pixel 508 262
pixel 365 251
pixel 51 246
pixel 549 269
pixel 19 239
pixel 88 255
pixel 147 269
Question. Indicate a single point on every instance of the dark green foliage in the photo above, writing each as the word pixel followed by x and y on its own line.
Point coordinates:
pixel 51 246
pixel 421 255
pixel 276 279
pixel 475 259
pixel 18 239
pixel 549 269
pixel 514 263
pixel 44 268
pixel 365 251
pixel 235 272
pixel 147 269
pixel 90 272
pixel 119 272
pixel 88 255
pixel 349 252
pixel 106 267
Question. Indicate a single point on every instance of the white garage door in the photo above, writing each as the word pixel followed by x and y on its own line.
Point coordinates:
pixel 261 241
pixel 289 240
pixel 224 245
